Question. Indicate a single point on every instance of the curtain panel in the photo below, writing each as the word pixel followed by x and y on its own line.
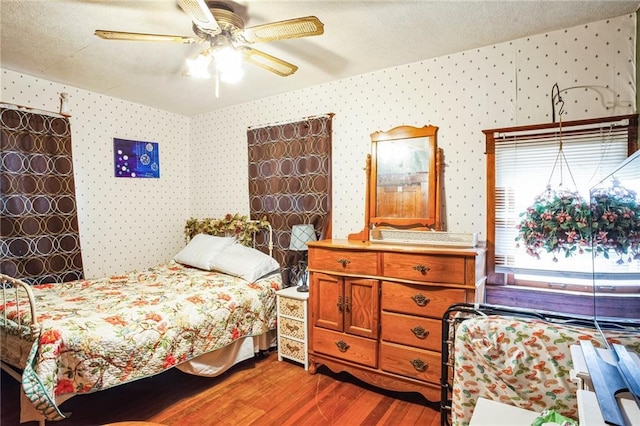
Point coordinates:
pixel 39 224
pixel 290 182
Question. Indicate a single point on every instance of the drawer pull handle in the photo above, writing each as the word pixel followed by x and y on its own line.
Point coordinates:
pixel 422 269
pixel 292 307
pixel 342 346
pixel 344 262
pixel 292 348
pixel 339 304
pixel 292 327
pixel 419 365
pixel 420 332
pixel 420 299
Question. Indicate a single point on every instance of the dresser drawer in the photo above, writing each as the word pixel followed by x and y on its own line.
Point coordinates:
pixel 344 261
pixel 411 362
pixel 424 333
pixel 291 328
pixel 292 349
pixel 291 307
pixel 424 267
pixel 345 346
pixel 419 300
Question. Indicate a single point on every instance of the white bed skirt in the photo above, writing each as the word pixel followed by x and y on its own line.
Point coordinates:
pixel 217 362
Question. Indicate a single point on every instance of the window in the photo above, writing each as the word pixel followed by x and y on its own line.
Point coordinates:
pixel 521 163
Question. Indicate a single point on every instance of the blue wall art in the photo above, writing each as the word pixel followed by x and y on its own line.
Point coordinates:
pixel 136 159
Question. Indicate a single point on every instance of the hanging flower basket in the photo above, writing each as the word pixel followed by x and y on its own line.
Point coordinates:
pixel 563 222
pixel 615 222
pixel 557 222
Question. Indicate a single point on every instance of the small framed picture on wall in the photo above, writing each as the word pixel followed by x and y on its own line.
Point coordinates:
pixel 136 159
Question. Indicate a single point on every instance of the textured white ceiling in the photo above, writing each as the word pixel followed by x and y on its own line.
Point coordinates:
pixel 54 39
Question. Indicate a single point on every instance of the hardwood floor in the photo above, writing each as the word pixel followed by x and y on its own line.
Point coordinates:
pixel 262 391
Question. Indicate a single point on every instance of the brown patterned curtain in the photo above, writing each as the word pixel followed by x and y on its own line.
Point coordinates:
pixel 39 224
pixel 290 182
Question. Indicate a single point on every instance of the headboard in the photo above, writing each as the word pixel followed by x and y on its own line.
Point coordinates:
pixel 246 231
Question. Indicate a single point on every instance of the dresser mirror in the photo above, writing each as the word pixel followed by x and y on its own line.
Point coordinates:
pixel 402 180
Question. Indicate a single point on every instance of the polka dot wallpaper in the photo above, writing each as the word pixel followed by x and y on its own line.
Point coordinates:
pixel 495 86
pixel 124 223
pixel 135 223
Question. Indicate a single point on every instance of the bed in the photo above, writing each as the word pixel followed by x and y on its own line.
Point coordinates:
pixel 207 309
pixel 516 357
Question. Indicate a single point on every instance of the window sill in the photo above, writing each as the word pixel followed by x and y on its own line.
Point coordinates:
pixel 562 302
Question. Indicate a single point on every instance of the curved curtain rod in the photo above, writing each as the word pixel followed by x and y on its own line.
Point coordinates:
pixel 278 123
pixel 32 110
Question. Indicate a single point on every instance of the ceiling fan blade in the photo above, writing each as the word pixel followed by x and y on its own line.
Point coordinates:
pixel 292 28
pixel 201 16
pixel 119 35
pixel 268 62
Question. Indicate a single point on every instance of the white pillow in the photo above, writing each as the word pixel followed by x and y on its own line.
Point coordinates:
pixel 244 262
pixel 202 249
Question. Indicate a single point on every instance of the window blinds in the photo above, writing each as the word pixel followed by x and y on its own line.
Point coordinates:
pixel 527 161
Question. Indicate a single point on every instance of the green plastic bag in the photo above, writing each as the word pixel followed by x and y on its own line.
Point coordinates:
pixel 553 418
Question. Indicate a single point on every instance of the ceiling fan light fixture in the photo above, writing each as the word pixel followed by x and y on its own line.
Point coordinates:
pixel 232 77
pixel 229 64
pixel 199 67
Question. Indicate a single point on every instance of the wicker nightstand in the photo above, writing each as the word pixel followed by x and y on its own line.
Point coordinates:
pixel 293 338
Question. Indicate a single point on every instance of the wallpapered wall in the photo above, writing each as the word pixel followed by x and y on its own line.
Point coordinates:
pixel 496 86
pixel 135 223
pixel 125 224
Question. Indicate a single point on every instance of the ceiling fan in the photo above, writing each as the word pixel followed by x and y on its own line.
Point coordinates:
pixel 216 23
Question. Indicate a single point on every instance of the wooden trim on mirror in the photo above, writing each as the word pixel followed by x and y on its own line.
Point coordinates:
pixel 412 198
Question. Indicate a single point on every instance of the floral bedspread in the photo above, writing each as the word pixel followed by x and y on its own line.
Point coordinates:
pixel 520 362
pixel 100 333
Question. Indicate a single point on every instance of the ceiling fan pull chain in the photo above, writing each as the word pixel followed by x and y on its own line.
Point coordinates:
pixel 217 83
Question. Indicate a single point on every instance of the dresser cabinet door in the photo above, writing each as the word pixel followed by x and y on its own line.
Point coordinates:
pixel 346 304
pixel 327 299
pixel 360 307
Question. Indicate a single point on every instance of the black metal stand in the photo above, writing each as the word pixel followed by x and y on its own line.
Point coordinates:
pixel 608 380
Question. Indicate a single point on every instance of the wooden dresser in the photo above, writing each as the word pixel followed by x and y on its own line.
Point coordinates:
pixel 376 309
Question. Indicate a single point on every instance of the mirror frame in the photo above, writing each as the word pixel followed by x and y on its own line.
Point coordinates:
pixel 432 220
